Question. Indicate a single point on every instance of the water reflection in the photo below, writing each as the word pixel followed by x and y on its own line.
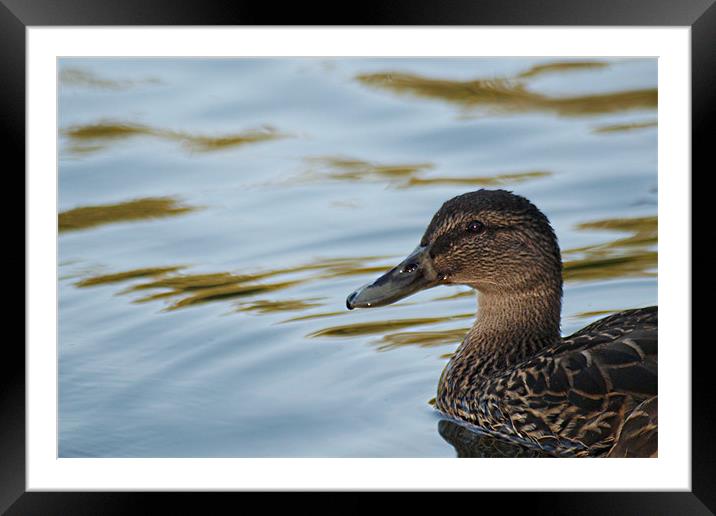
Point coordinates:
pixel 562 66
pixel 512 95
pixel 118 277
pixel 265 306
pixel 347 169
pixel 472 444
pixel 88 138
pixel 634 255
pixel 403 175
pixel 620 128
pixel 184 289
pixel 319 315
pixel 380 327
pixel 424 339
pixel 496 180
pixel 134 210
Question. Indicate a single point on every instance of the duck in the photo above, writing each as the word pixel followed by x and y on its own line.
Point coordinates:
pixel 589 394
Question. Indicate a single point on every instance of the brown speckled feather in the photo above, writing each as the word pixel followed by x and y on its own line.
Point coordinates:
pixel 580 397
pixel 638 435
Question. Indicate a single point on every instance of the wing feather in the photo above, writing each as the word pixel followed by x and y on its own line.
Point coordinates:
pixel 584 391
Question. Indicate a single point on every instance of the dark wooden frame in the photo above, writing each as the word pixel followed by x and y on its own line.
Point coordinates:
pixel 16 15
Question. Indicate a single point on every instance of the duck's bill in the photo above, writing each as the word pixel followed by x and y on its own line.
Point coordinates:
pixel 413 274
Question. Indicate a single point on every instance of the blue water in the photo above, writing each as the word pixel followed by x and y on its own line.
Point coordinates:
pixel 343 185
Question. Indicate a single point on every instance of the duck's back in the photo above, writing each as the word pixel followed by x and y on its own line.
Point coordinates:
pixel 583 395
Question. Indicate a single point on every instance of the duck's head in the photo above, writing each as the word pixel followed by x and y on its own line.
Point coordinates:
pixel 492 240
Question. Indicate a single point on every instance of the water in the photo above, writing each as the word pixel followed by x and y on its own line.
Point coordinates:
pixel 214 214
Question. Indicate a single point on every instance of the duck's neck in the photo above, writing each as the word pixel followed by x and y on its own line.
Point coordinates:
pixel 511 327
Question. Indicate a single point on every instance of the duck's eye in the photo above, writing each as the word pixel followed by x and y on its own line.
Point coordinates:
pixel 476 227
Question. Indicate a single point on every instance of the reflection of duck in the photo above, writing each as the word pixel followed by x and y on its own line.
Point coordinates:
pixel 475 444
pixel 591 394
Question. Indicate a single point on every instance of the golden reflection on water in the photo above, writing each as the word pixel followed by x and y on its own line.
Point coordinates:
pixel 264 306
pixel 93 137
pixel 496 180
pixel 379 327
pixel 512 95
pixel 403 175
pixel 425 339
pixel 347 169
pixel 134 210
pixel 183 290
pixel 620 128
pixel 562 66
pixel 633 255
pixel 118 277
pixel 320 315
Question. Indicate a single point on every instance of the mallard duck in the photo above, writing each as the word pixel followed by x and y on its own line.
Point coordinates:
pixel 593 393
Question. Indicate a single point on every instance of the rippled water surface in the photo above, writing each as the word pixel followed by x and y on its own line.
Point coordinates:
pixel 214 214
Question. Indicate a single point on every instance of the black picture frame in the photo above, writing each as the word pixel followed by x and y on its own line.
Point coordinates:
pixel 17 15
